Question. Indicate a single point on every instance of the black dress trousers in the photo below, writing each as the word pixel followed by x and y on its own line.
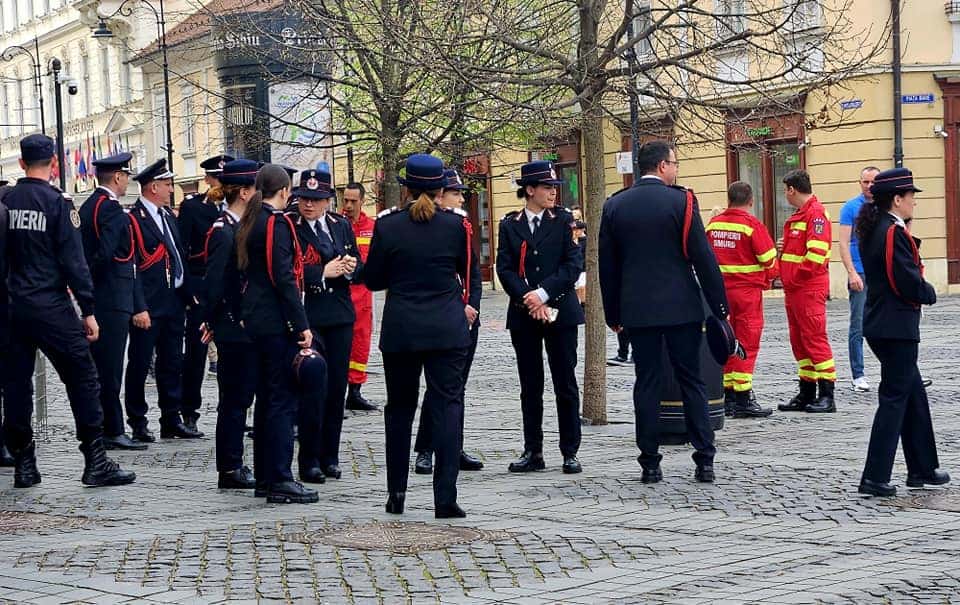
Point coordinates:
pixel 424 441
pixel 108 353
pixel 165 336
pixel 237 374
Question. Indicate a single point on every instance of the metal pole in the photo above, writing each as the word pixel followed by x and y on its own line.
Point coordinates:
pixel 162 26
pixel 634 107
pixel 897 86
pixel 55 66
pixel 37 71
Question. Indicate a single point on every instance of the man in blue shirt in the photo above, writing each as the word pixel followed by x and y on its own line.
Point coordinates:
pixel 856 286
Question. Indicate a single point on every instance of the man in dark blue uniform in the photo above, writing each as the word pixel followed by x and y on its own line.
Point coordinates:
pixel 538 263
pixel 161 270
pixel 45 258
pixel 5 458
pixel 108 246
pixel 651 241
pixel 196 216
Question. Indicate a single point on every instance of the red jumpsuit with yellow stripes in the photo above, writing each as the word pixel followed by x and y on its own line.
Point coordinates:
pixel 748 263
pixel 363 306
pixel 806 281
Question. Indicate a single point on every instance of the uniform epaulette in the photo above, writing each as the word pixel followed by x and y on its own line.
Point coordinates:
pixel 336 215
pixel 194 195
pixel 389 211
pixel 680 187
pixel 218 224
pixel 458 211
pixel 510 214
pixel 618 192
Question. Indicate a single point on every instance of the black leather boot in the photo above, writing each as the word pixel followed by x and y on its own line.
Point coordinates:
pixel 806 396
pixel 729 401
pixel 356 401
pixel 291 492
pixel 99 470
pixel 747 407
pixel 824 404
pixel 470 463
pixel 25 472
pixel 395 502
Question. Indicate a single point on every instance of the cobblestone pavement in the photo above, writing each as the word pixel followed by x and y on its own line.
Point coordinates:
pixel 783 523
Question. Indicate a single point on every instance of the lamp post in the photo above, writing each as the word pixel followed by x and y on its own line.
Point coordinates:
pixel 55 67
pixel 103 31
pixel 10 52
pixel 631 56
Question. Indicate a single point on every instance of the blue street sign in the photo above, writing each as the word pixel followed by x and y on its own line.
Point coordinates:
pixel 920 99
pixel 852 104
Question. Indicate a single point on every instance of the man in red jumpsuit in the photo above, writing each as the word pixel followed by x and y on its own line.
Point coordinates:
pixel 353 195
pixel 748 263
pixel 805 251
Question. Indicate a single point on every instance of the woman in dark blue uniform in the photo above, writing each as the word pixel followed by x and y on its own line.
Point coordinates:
pixel 419 255
pixel 220 312
pixel 273 315
pixel 891 325
pixel 331 264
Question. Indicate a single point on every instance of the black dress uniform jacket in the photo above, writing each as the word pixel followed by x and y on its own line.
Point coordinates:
pixel 645 278
pixel 220 292
pixel 551 260
pixel 162 297
pixel 269 310
pixel 895 284
pixel 424 305
pixel 197 215
pixel 328 301
pixel 44 250
pixel 109 248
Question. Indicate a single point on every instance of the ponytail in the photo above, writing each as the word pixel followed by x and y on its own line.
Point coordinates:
pixel 217 192
pixel 425 205
pixel 247 221
pixel 869 214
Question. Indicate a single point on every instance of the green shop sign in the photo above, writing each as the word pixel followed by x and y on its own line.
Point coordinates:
pixel 759 132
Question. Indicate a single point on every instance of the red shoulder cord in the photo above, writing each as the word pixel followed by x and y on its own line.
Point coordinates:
pixel 466 281
pixel 96 229
pixel 148 259
pixel 687 222
pixel 297 253
pixel 888 257
pixel 523 260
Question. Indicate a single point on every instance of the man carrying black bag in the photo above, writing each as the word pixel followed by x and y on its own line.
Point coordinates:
pixel 651 241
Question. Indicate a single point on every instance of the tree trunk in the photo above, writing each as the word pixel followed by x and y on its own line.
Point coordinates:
pixel 390 151
pixel 595 333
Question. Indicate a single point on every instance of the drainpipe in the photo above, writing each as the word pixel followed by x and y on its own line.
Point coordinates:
pixel 897 86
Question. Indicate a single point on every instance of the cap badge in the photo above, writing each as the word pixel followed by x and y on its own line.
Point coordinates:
pixel 313 184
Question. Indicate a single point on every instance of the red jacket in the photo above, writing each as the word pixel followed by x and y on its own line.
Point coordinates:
pixel 744 249
pixel 363 230
pixel 806 248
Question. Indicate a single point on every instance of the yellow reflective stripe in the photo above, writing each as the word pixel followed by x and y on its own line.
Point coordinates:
pixel 363 241
pixel 823 365
pixel 722 226
pixel 740 268
pixel 740 388
pixel 360 367
pixel 791 258
pixel 768 255
pixel 818 245
pixel 816 258
pixel 805 362
pixel 799 226
pixel 808 374
pixel 827 375
pixel 739 376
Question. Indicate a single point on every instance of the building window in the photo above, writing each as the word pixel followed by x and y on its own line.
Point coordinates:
pixel 188 110
pixel 21 108
pixel 30 11
pixel 730 17
pixel 7 120
pixel 15 14
pixel 159 121
pixel 802 15
pixel 105 76
pixel 126 76
pixel 642 21
pixel 68 106
pixel 85 83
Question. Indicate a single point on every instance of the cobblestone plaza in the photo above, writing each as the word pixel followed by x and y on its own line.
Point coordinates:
pixel 782 524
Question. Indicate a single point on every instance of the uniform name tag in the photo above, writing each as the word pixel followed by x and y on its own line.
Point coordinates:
pixel 28 220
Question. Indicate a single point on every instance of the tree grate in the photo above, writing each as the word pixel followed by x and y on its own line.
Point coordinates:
pixel 396 537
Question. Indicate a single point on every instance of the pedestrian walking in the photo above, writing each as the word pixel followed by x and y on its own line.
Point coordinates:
pixel 538 264
pixel 109 249
pixel 354 195
pixel 6 460
pixel 45 256
pixel 220 298
pixel 748 263
pixel 331 266
pixel 856 288
pixel 196 215
pixel 452 198
pixel 805 272
pixel 896 290
pixel 651 242
pixel 420 255
pixel 160 270
pixel 273 314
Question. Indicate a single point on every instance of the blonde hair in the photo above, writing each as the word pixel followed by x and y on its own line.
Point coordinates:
pixel 425 205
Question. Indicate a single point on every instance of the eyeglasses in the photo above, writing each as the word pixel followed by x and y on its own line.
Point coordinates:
pixel 674 162
pixel 867 182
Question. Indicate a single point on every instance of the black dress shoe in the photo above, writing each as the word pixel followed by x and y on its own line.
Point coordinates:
pixel 395 502
pixel 260 489
pixel 122 442
pixel 571 466
pixel 242 478
pixel 926 383
pixel 313 475
pixel 332 471
pixel 6 459
pixel 528 463
pixel 651 475
pixel 704 473
pixel 469 463
pixel 143 435
pixel 424 463
pixel 356 401
pixel 935 477
pixel 449 511
pixel 291 492
pixel 179 431
pixel 191 424
pixel 875 488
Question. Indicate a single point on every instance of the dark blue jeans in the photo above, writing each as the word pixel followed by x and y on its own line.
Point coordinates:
pixel 855 332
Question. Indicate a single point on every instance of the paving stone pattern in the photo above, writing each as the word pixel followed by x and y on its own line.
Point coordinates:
pixel 783 523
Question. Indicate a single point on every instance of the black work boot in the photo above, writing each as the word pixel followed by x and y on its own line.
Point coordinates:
pixel 747 406
pixel 729 401
pixel 824 403
pixel 356 401
pixel 99 470
pixel 25 472
pixel 806 396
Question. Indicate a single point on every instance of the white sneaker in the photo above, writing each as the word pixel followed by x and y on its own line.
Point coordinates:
pixel 860 385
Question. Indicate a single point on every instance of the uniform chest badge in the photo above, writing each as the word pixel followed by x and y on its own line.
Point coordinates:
pixel 75 219
pixel 819 225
